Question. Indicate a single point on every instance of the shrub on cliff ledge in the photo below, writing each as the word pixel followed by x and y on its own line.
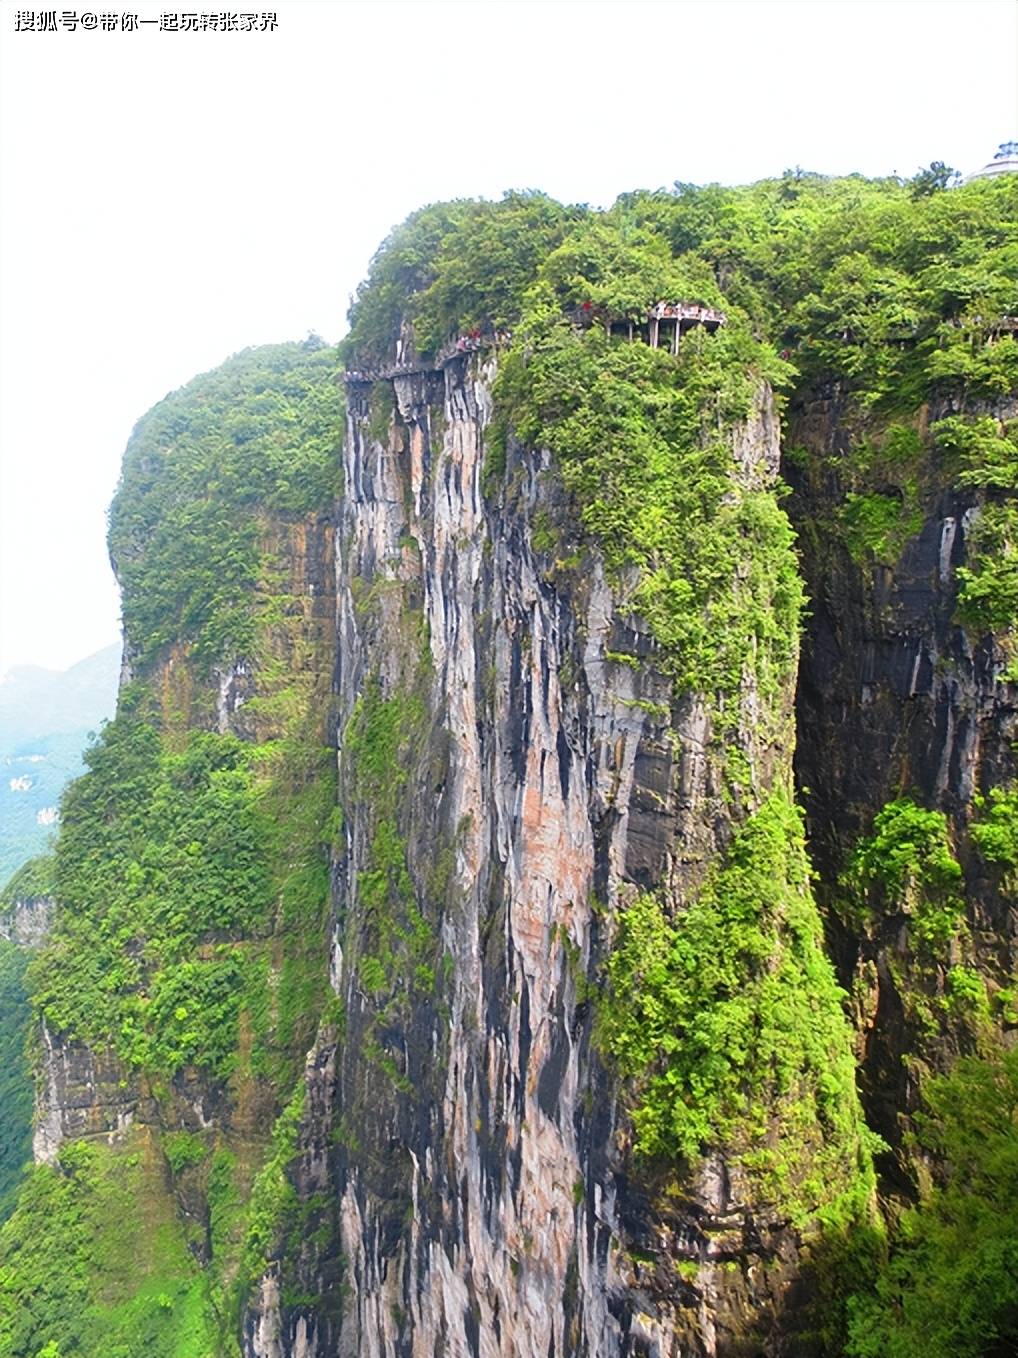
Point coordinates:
pixel 907 865
pixel 995 829
pixel 988 584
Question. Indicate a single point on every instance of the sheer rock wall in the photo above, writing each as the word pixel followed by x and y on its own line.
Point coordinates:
pixel 465 1148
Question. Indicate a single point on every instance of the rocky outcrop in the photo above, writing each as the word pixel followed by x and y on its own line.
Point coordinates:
pixel 80 1093
pixel 894 692
pixel 26 921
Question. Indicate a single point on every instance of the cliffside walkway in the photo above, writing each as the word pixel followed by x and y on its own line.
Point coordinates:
pixel 666 323
pixel 464 344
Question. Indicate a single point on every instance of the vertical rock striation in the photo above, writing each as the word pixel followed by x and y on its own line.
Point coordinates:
pixel 897 697
pixel 469 1138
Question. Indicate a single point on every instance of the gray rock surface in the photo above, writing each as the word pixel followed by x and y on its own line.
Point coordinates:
pixel 481 1204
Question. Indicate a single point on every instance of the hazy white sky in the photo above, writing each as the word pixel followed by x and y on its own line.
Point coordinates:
pixel 168 198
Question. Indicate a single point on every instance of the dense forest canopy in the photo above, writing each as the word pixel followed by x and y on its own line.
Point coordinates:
pixel 900 293
pixel 886 285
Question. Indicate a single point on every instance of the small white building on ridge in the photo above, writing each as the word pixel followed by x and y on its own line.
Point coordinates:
pixel 1004 162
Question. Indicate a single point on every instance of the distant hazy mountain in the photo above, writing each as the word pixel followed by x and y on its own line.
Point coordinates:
pixel 45 720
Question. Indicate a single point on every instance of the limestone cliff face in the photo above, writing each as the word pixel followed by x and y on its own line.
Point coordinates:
pixel 81 1093
pixel 514 770
pixel 26 921
pixel 896 697
pixel 463 1156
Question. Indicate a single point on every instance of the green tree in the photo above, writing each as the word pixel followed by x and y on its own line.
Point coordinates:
pixel 933 179
pixel 950 1282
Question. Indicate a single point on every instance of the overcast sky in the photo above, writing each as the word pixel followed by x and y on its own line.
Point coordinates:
pixel 168 198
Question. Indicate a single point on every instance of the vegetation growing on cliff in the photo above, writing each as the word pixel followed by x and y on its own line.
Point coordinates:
pixel 94 1262
pixel 377 743
pixel 161 864
pixel 726 1014
pixel 995 829
pixel 949 1284
pixel 32 879
pixel 255 437
pixel 988 593
pixel 452 267
pixel 905 883
pixel 182 850
pixel 985 451
pixel 907 866
pixel 15 1080
pixel 644 445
